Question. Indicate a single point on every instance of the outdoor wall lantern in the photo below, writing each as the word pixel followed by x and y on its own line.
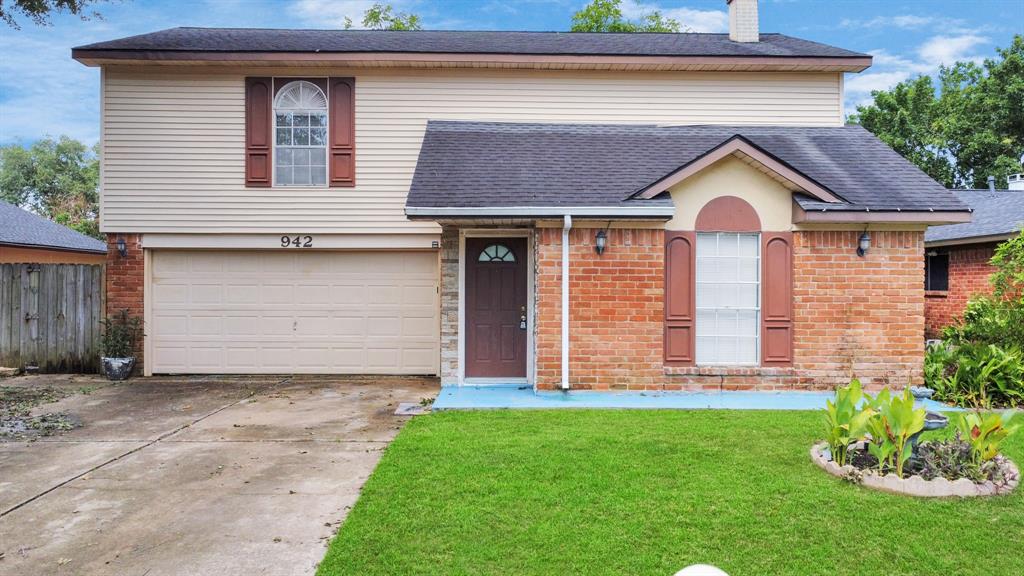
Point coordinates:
pixel 863 243
pixel 600 241
pixel 122 247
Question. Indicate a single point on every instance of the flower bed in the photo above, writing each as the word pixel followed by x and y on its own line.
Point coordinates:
pixel 1002 477
pixel 876 441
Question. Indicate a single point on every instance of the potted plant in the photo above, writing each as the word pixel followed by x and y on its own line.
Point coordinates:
pixel 117 344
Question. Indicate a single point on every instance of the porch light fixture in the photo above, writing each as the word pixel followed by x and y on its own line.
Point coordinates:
pixel 863 243
pixel 600 241
pixel 122 247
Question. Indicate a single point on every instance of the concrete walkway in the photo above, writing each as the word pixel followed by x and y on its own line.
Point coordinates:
pixel 246 475
pixel 493 397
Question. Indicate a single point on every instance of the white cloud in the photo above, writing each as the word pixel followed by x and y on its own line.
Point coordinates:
pixel 691 19
pixel 890 69
pixel 943 50
pixel 907 22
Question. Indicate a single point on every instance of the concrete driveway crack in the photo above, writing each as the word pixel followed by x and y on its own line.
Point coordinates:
pixel 137 449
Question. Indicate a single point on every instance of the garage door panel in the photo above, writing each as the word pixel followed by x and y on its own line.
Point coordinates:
pixel 285 312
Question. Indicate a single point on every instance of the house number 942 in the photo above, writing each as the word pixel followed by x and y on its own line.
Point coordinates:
pixel 296 241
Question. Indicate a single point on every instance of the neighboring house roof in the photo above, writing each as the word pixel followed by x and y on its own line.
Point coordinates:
pixel 490 164
pixel 468 42
pixel 581 50
pixel 996 215
pixel 22 228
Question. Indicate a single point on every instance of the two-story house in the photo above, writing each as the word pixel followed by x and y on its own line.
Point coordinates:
pixel 567 210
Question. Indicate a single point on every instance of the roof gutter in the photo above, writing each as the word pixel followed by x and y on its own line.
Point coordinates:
pixel 931 217
pixel 969 240
pixel 665 212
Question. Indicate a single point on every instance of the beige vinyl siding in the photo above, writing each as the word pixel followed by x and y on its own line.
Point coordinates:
pixel 174 142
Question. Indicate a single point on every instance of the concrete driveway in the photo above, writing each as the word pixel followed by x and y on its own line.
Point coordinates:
pixel 196 475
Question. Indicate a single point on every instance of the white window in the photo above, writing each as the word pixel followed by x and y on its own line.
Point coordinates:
pixel 300 135
pixel 728 298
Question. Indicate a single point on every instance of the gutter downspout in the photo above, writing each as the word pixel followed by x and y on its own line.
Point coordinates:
pixel 566 226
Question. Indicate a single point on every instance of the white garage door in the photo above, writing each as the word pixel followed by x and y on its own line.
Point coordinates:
pixel 250 312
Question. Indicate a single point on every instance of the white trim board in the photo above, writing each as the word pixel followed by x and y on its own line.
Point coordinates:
pixel 531 376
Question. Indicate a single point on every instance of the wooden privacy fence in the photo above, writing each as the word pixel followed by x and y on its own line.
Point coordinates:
pixel 50 316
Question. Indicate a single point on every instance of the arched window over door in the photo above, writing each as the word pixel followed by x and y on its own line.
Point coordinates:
pixel 496 253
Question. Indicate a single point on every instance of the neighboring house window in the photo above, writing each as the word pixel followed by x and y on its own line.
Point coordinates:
pixel 728 283
pixel 936 271
pixel 300 135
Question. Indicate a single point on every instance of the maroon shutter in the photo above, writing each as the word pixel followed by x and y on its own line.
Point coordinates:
pixel 680 297
pixel 777 299
pixel 343 138
pixel 258 96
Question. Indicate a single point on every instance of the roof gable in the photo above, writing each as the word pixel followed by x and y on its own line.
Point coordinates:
pixel 750 153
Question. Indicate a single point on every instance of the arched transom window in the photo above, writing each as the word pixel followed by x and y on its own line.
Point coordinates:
pixel 496 253
pixel 300 135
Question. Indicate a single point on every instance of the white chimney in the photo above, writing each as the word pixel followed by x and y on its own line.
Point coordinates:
pixel 743 21
pixel 1015 182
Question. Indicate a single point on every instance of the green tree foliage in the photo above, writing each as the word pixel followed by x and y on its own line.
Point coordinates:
pixel 39 11
pixel 383 17
pixel 55 178
pixel 606 16
pixel 970 128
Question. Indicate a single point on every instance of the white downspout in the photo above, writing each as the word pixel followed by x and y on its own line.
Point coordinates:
pixel 567 225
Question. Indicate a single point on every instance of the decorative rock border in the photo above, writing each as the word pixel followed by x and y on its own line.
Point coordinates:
pixel 916 485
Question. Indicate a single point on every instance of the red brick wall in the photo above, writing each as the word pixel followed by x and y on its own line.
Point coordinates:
pixel 858 316
pixel 853 316
pixel 126 281
pixel 968 275
pixel 616 303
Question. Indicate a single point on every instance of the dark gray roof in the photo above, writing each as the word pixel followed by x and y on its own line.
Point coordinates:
pixel 468 42
pixel 995 213
pixel 488 164
pixel 22 228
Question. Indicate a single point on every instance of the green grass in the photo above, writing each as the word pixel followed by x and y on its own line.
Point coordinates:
pixel 649 492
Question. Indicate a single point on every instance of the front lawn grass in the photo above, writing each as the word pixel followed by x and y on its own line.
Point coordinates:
pixel 649 492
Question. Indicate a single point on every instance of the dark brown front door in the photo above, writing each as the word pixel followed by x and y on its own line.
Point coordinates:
pixel 495 307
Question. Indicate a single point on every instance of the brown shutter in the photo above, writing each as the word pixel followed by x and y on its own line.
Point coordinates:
pixel 777 299
pixel 342 139
pixel 680 297
pixel 258 96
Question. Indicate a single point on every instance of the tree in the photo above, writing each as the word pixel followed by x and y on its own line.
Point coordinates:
pixel 39 11
pixel 606 16
pixel 383 17
pixel 55 178
pixel 971 127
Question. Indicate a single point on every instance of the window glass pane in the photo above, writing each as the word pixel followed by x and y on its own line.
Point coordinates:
pixel 301 175
pixel 284 119
pixel 728 298
pixel 300 136
pixel 301 120
pixel 284 175
pixel 318 120
pixel 284 157
pixel 318 157
pixel 317 136
pixel 284 136
pixel 319 175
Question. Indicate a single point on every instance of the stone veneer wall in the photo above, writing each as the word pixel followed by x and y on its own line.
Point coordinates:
pixel 968 275
pixel 126 281
pixel 449 305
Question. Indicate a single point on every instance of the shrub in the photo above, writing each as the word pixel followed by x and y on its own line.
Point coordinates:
pixel 845 420
pixel 893 421
pixel 985 432
pixel 120 333
pixel 978 375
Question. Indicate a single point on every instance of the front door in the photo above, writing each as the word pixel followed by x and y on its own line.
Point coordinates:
pixel 496 307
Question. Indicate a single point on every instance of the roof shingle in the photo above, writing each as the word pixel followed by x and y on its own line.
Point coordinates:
pixel 490 164
pixel 469 42
pixel 22 228
pixel 995 213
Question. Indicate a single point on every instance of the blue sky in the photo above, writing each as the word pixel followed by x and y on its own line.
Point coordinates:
pixel 44 92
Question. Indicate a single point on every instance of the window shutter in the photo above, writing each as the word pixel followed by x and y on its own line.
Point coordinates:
pixel 258 110
pixel 680 297
pixel 777 299
pixel 342 138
